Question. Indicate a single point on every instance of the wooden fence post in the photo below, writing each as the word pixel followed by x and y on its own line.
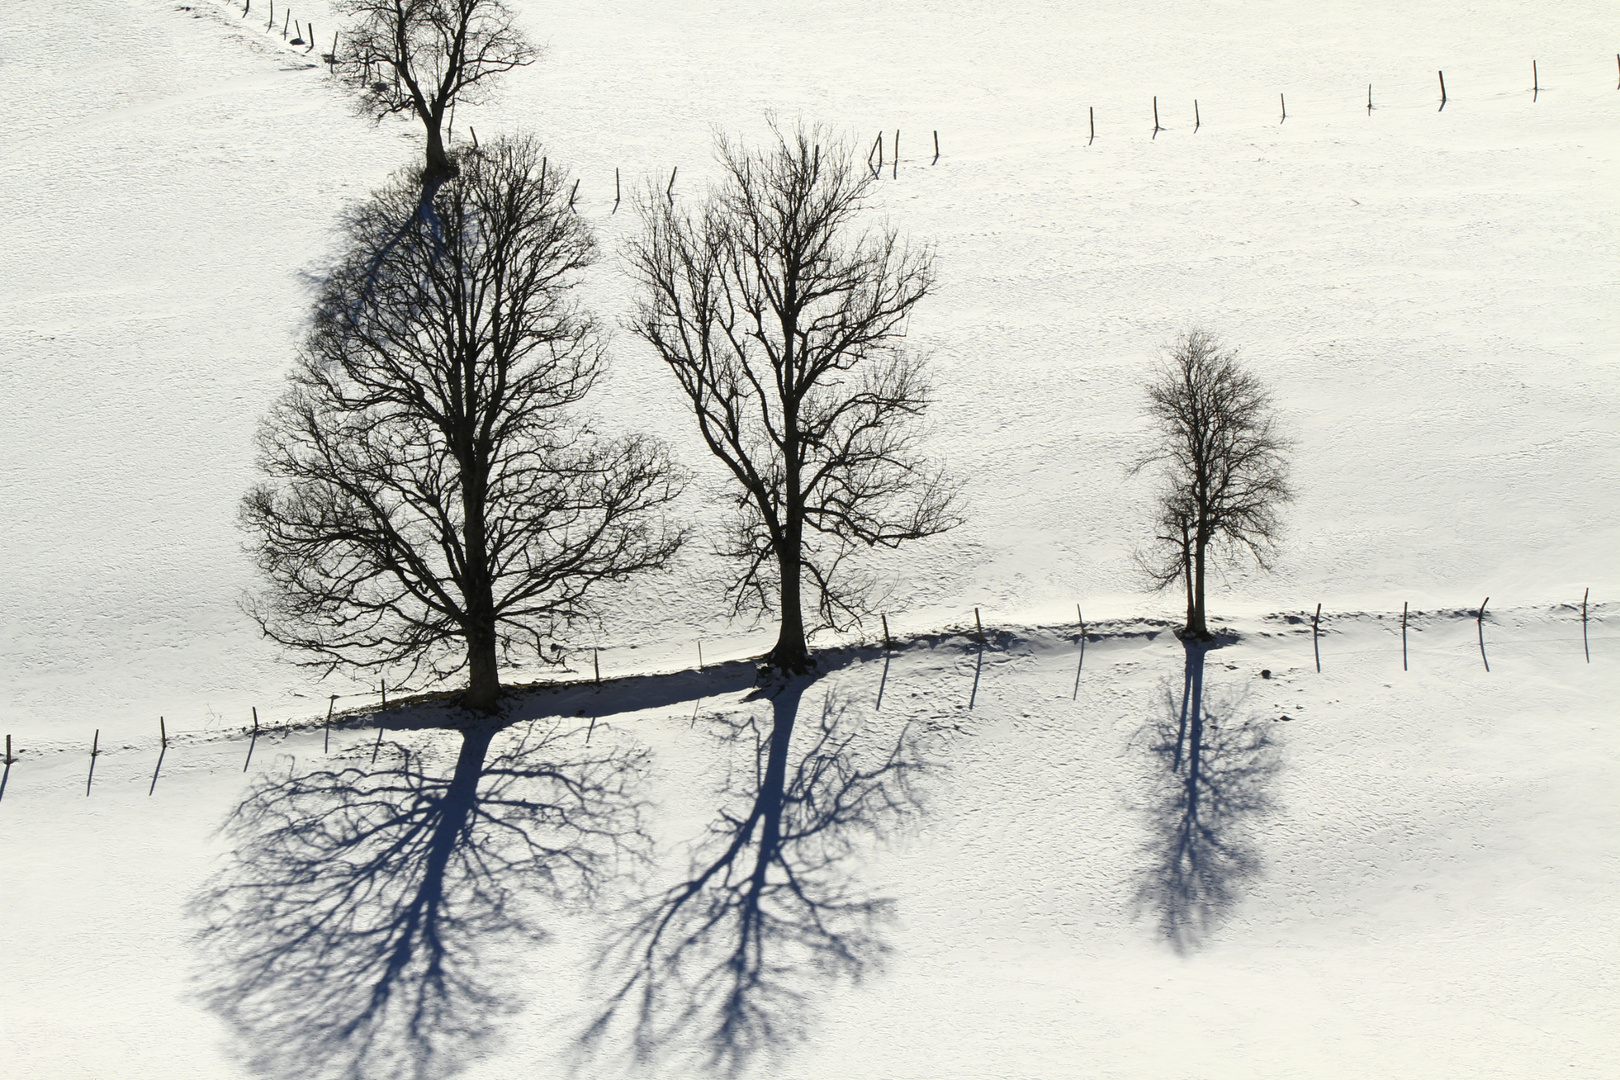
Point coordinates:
pixel 1442 92
pixel 1315 632
pixel 1403 636
pixel 936 148
pixel 163 734
pixel 1585 644
pixel 888 643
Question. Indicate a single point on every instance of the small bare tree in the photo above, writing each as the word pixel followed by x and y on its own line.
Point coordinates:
pixel 1224 468
pixel 422 56
pixel 431 499
pixel 783 322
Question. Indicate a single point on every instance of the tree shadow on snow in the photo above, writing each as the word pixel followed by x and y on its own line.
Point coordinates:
pixel 367 919
pixel 1212 779
pixel 725 964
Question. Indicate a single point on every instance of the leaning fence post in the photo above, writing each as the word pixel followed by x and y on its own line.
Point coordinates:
pixel 979 625
pixel 936 149
pixel 669 192
pixel 1584 643
pixel 163 734
pixel 1442 91
pixel 1283 101
pixel 1315 648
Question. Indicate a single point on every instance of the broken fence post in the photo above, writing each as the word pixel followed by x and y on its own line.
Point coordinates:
pixel 936 148
pixel 669 192
pixel 1156 127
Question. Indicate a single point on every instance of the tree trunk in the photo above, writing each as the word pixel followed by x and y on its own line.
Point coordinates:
pixel 791 652
pixel 483 671
pixel 439 166
pixel 1196 626
pixel 1187 579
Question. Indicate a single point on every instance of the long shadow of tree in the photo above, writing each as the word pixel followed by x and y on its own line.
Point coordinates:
pixel 723 965
pixel 367 917
pixel 1212 784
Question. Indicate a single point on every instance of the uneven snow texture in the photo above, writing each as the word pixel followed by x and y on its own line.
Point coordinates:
pixel 1415 872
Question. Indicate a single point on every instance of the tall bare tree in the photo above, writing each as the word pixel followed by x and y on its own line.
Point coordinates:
pixel 431 499
pixel 783 320
pixel 1224 468
pixel 422 56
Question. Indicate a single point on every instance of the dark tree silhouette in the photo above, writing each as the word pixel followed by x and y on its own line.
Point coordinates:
pixel 783 321
pixel 423 56
pixel 1215 785
pixel 1224 469
pixel 368 920
pixel 432 500
pixel 730 956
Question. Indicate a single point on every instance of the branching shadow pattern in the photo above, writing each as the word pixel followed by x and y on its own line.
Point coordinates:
pixel 729 959
pixel 366 920
pixel 1212 779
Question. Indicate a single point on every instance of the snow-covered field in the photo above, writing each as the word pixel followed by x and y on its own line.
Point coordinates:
pixel 1421 882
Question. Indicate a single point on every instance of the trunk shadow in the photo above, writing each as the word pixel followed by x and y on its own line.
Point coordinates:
pixel 366 919
pixel 1210 787
pixel 725 963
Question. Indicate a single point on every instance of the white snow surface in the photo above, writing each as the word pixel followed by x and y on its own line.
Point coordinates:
pixel 1423 875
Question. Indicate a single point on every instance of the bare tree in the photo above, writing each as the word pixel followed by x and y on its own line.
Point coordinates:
pixel 1224 468
pixel 422 56
pixel 783 322
pixel 431 499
